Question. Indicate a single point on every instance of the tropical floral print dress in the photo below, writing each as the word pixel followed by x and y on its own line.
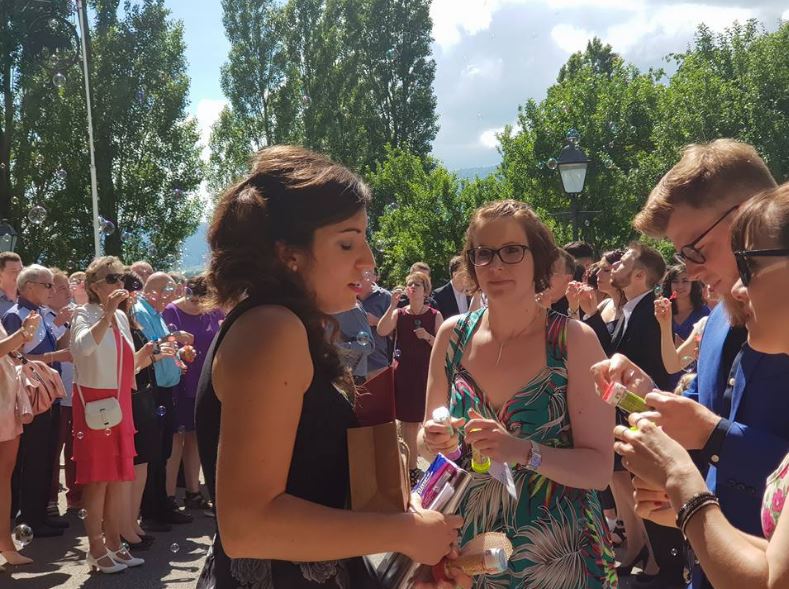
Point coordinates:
pixel 775 497
pixel 558 533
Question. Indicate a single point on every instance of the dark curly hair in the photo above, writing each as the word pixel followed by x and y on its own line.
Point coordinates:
pixel 696 288
pixel 290 192
pixel 541 243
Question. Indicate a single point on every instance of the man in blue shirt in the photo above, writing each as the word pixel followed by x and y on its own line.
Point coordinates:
pixel 10 267
pixel 159 510
pixel 355 341
pixel 34 465
pixel 375 301
pixel 736 413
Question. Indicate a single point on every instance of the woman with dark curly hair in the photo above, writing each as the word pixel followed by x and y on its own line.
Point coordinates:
pixel 274 403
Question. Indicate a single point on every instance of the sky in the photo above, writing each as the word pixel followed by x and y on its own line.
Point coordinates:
pixel 493 55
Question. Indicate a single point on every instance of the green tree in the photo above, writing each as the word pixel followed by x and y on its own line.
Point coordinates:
pixel 147 155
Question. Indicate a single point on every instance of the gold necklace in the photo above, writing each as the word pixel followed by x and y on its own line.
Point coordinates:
pixel 516 336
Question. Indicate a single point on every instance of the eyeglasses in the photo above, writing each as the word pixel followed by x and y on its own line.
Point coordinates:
pixel 691 252
pixel 509 254
pixel 112 278
pixel 745 266
pixel 47 285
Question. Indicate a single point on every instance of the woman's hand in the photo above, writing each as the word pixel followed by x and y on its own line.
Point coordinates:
pixel 490 438
pixel 619 368
pixel 652 503
pixel 433 534
pixel 30 325
pixel 588 300
pixel 440 437
pixel 166 350
pixel 114 300
pixel 650 454
pixel 425 579
pixel 663 312
pixel 422 333
pixel 573 295
pixel 396 294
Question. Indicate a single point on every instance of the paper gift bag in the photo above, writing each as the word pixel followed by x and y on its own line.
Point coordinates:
pixel 375 399
pixel 378 469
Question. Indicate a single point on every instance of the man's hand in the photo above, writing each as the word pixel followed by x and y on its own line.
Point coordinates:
pixel 688 422
pixel 619 368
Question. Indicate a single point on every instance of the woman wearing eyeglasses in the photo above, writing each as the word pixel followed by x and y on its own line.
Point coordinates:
pixel 669 488
pixel 415 326
pixel 105 364
pixel 517 382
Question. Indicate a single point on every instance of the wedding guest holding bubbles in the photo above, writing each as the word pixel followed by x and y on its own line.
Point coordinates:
pixel 105 361
pixel 669 488
pixel 414 327
pixel 607 317
pixel 76 282
pixel 274 402
pixel 517 380
pixel 190 314
pixel 354 340
pixel 680 312
pixel 158 509
pixel 11 427
pixel 147 422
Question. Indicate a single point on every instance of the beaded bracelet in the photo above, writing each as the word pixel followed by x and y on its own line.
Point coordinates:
pixel 694 504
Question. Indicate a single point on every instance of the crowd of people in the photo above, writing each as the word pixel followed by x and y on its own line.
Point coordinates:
pixel 128 345
pixel 519 345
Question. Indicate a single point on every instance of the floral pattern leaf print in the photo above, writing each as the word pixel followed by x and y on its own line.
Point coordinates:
pixel 558 533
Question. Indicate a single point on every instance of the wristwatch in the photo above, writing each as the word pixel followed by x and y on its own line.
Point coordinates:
pixel 534 459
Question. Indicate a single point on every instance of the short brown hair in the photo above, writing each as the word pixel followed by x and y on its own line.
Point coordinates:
pixel 92 277
pixel 722 170
pixel 455 264
pixel 420 267
pixel 766 215
pixel 543 247
pixel 422 278
pixel 6 257
pixel 568 260
pixel 651 261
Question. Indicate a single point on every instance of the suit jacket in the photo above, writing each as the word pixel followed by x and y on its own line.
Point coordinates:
pixel 755 433
pixel 444 296
pixel 640 341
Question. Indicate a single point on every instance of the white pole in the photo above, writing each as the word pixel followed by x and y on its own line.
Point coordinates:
pixel 94 191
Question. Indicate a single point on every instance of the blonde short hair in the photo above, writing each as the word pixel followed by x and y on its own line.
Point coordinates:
pixel 422 279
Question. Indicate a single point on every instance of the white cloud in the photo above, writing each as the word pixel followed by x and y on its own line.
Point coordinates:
pixel 602 4
pixel 490 69
pixel 785 15
pixel 570 38
pixel 489 138
pixel 207 113
pixel 451 18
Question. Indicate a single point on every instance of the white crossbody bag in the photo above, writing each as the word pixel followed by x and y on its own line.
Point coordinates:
pixel 104 413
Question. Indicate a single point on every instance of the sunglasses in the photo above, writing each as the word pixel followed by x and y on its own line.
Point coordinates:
pixel 509 254
pixel 690 252
pixel 112 278
pixel 745 261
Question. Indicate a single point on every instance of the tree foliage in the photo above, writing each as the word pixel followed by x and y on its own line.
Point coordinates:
pixel 147 155
pixel 344 77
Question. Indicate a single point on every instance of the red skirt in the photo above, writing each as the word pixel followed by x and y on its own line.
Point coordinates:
pixel 106 455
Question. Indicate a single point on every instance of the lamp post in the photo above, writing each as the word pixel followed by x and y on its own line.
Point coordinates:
pixel 7 236
pixel 573 163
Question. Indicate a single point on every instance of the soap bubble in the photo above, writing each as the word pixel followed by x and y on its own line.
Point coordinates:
pixel 573 136
pixel 552 163
pixel 161 411
pixel 61 174
pixel 587 222
pixel 23 534
pixel 305 100
pixel 53 23
pixel 107 432
pixel 125 546
pixel 396 354
pixel 80 435
pixel 82 513
pixel 174 547
pixel 140 95
pixel 178 192
pixel 674 552
pixel 106 227
pixel 37 215
pixel 368 275
pixel 363 339
pixel 59 80
pixel 417 323
pixel 391 54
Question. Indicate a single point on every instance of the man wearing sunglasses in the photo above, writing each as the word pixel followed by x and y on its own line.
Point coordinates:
pixel 736 413
pixel 34 466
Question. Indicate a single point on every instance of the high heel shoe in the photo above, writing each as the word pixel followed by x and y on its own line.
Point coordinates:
pixel 120 556
pixel 94 564
pixel 640 560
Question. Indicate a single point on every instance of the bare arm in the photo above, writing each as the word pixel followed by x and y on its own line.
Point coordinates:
pixel 437 384
pixel 589 464
pixel 730 558
pixel 261 373
pixel 388 321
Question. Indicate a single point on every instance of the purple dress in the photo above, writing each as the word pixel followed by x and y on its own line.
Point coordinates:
pixel 203 327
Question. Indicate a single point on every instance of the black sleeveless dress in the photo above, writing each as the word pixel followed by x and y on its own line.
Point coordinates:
pixel 318 473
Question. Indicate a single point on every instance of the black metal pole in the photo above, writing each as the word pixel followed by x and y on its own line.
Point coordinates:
pixel 574 214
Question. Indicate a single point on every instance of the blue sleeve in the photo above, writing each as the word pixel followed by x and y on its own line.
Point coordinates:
pixel 748 455
pixel 11 322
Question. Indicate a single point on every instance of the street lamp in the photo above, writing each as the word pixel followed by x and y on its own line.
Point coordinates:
pixel 7 236
pixel 573 163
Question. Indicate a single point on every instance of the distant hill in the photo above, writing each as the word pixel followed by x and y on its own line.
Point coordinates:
pixel 471 173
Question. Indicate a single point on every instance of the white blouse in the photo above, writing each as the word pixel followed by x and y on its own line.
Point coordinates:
pixel 96 365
